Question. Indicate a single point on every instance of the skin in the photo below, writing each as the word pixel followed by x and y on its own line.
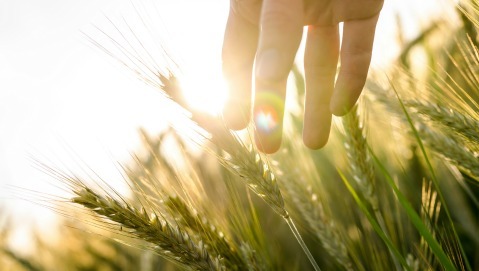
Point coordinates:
pixel 266 35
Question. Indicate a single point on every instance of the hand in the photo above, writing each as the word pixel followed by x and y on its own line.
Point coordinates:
pixel 267 33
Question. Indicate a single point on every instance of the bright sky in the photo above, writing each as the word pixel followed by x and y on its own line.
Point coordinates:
pixel 60 95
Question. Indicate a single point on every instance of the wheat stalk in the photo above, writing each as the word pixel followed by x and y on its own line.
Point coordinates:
pixel 168 240
pixel 326 230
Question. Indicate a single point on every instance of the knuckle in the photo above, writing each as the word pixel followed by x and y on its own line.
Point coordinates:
pixel 248 9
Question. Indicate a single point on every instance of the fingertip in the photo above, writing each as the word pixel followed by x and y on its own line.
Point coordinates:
pixel 346 93
pixel 236 116
pixel 340 109
pixel 266 144
pixel 268 120
pixel 317 126
pixel 315 143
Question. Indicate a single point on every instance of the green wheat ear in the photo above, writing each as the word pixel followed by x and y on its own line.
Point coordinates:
pixel 168 240
pixel 232 258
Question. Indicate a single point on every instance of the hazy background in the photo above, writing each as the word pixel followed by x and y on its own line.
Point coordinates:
pixel 60 96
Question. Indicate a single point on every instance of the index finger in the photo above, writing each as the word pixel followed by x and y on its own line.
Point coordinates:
pixel 239 48
pixel 281 30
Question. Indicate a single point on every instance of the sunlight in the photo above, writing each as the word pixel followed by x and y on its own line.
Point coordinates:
pixel 205 92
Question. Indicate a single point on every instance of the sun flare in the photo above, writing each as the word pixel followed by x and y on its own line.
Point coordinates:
pixel 205 93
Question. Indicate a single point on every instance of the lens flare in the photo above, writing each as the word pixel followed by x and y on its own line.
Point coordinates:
pixel 266 119
pixel 268 107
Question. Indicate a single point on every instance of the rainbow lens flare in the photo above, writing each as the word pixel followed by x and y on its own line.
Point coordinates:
pixel 266 119
pixel 268 106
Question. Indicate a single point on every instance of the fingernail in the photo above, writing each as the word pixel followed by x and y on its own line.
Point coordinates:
pixel 268 65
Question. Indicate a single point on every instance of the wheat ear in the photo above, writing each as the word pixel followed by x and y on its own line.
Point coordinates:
pixel 244 161
pixel 451 150
pixel 310 209
pixel 446 146
pixel 362 167
pixel 208 232
pixel 359 159
pixel 168 240
pixel 462 124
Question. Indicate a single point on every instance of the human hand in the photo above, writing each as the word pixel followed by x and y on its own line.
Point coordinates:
pixel 268 33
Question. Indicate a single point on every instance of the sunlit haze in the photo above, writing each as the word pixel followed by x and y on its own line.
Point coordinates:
pixel 65 102
pixel 205 92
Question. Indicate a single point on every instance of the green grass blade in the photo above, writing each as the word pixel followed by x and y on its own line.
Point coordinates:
pixel 374 222
pixel 433 176
pixel 416 219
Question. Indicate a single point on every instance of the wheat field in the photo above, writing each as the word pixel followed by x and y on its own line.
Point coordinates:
pixel 396 188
